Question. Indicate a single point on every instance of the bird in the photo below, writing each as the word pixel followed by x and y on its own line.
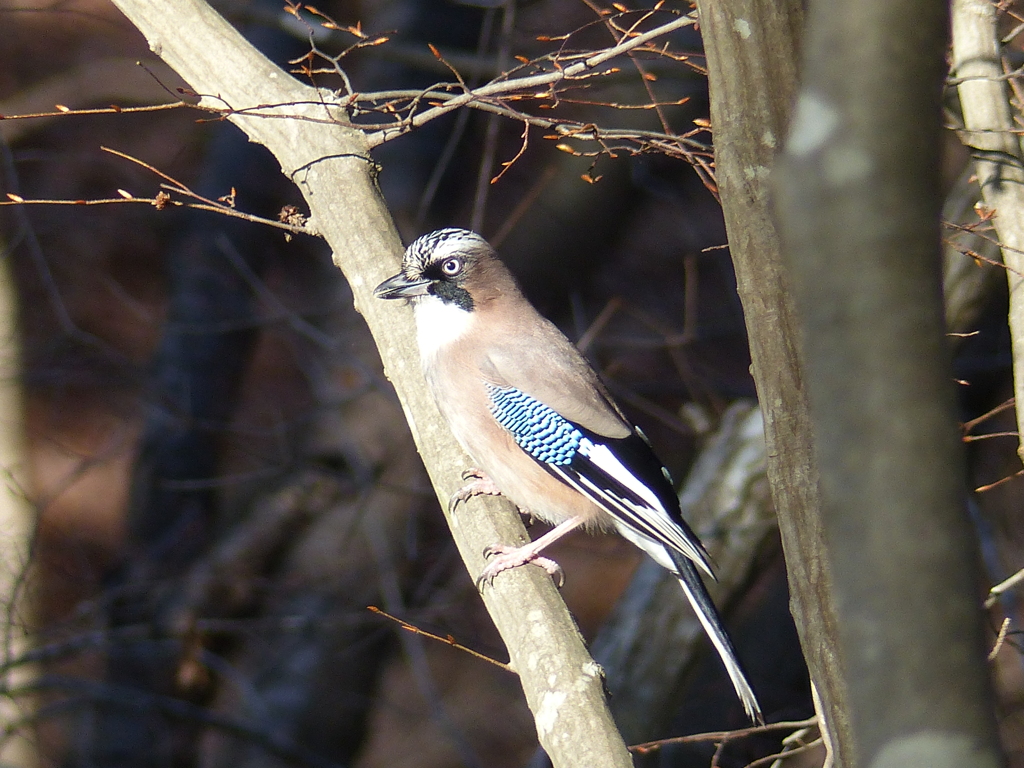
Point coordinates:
pixel 540 426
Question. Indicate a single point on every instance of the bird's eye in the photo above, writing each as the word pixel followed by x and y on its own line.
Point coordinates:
pixel 451 267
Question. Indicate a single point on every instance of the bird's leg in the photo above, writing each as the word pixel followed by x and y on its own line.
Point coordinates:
pixel 512 557
pixel 481 485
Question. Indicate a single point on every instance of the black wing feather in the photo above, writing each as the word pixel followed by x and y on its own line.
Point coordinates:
pixel 595 482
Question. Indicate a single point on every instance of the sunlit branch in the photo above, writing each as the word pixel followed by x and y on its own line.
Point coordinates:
pixel 497 88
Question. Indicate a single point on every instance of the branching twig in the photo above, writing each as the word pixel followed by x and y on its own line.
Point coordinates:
pixel 531 83
pixel 724 736
pixel 494 97
pixel 223 206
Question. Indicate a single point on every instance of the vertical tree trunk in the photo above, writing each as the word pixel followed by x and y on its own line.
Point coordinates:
pixel 859 212
pixel 17 526
pixel 752 48
pixel 996 151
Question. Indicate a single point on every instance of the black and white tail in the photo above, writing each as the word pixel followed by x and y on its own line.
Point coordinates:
pixel 699 598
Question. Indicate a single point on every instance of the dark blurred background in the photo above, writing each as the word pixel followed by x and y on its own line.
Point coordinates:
pixel 223 480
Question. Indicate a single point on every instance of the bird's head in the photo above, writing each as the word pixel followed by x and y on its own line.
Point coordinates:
pixel 452 266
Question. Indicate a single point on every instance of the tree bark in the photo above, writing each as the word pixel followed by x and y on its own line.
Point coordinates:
pixel 17 528
pixel 858 191
pixel 996 151
pixel 752 47
pixel 332 167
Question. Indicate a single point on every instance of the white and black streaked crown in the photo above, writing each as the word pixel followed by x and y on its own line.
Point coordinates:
pixel 436 246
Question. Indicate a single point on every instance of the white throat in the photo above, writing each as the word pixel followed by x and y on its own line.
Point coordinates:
pixel 438 324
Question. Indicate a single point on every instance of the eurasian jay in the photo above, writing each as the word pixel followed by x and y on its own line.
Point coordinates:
pixel 539 424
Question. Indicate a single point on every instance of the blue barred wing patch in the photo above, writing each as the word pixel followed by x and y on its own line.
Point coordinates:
pixel 622 476
pixel 536 428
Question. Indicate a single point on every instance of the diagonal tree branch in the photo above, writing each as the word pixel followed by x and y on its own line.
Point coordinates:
pixel 331 166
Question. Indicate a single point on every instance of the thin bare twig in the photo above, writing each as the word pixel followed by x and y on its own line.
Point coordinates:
pixel 448 640
pixel 162 202
pixel 1004 629
pixel 164 199
pixel 967 426
pixel 505 165
pixel 113 109
pixel 988 436
pixel 721 736
pixel 498 88
pixel 779 756
pixel 1004 586
pixel 1000 481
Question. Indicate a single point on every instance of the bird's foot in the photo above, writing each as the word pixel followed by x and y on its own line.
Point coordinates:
pixel 506 558
pixel 480 485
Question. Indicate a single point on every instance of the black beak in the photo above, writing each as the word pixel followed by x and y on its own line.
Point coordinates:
pixel 401 286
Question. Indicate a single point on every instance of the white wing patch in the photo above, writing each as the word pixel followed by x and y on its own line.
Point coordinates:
pixel 607 461
pixel 655 549
pixel 650 520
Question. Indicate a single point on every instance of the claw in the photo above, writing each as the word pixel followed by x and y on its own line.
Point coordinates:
pixel 481 485
pixel 506 558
